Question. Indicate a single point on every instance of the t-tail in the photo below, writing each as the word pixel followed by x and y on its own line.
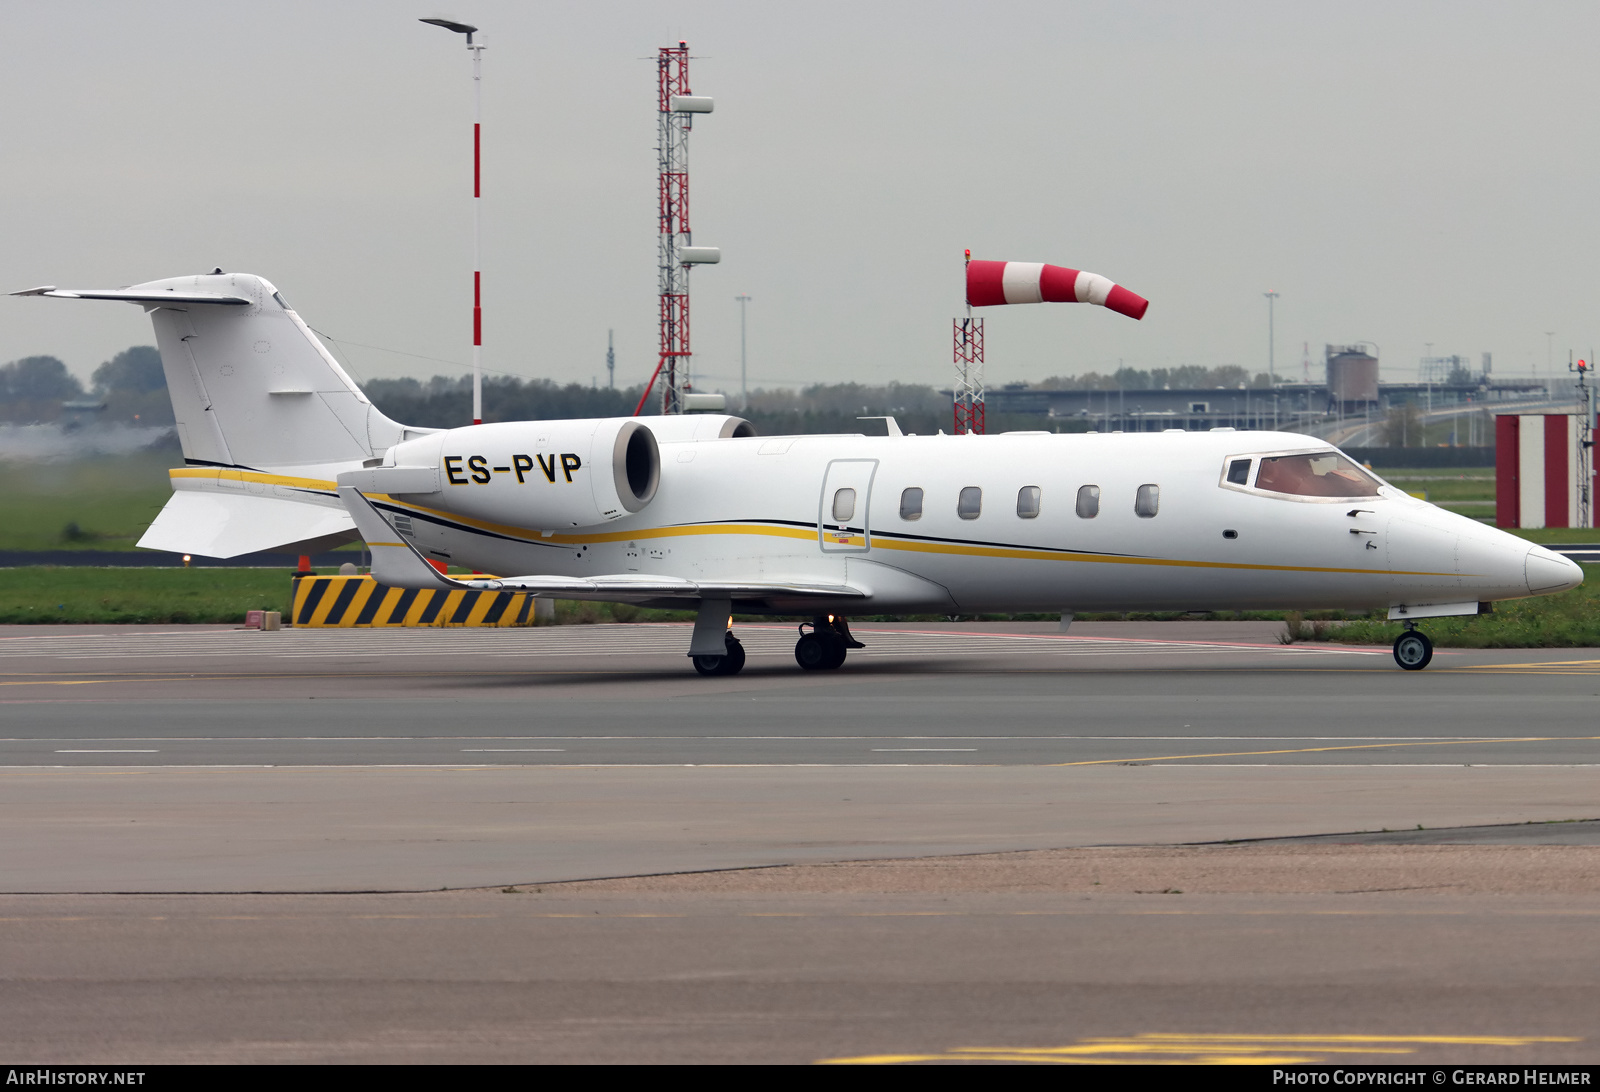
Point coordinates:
pixel 266 417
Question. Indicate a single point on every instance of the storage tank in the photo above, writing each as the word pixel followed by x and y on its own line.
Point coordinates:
pixel 1352 377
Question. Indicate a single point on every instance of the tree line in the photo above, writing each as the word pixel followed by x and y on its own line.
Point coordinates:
pixel 1182 377
pixel 133 389
pixel 131 384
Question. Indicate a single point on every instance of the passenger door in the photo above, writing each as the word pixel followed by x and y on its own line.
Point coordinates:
pixel 842 511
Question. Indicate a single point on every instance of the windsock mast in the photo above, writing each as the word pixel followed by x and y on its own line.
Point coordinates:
pixel 967 342
pixel 990 284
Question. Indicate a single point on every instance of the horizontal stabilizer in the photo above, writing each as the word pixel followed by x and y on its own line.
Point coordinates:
pixel 132 295
pixel 218 525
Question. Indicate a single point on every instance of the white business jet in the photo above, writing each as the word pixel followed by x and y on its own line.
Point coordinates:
pixel 282 451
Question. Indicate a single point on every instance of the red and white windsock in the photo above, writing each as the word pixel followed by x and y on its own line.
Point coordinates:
pixel 991 283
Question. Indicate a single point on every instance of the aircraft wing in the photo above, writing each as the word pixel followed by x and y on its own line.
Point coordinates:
pixel 629 586
pixel 397 564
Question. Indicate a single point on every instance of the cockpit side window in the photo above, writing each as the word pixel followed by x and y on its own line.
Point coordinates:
pixel 1320 474
pixel 1239 472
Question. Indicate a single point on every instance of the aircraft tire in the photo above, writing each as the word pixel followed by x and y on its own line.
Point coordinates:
pixel 812 653
pixel 836 654
pixel 1413 650
pixel 729 664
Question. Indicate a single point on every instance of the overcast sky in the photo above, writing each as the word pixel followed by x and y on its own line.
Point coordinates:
pixel 1404 173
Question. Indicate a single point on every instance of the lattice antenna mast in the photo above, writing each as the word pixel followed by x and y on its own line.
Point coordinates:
pixel 672 160
pixel 968 353
pixel 676 108
pixel 611 363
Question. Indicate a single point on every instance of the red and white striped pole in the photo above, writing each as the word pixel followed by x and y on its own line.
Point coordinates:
pixel 477 231
pixel 477 215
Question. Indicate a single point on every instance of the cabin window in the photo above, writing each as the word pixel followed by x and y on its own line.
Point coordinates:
pixel 911 504
pixel 1239 472
pixel 1324 474
pixel 844 505
pixel 1147 501
pixel 970 503
pixel 1088 501
pixel 1028 502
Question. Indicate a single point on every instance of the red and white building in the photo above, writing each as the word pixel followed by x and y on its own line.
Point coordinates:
pixel 1539 471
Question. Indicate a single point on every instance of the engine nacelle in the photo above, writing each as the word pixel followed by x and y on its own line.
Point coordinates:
pixel 698 426
pixel 540 475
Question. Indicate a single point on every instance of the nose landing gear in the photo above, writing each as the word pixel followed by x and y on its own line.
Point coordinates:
pixel 824 648
pixel 1412 649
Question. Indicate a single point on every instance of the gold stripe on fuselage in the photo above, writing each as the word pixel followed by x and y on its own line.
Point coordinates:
pixel 881 540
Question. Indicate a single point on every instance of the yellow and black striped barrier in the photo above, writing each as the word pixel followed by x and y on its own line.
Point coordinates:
pixel 359 601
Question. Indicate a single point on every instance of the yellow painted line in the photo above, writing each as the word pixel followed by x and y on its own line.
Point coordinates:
pixel 1158 1048
pixel 1316 750
pixel 1512 671
pixel 58 682
pixel 1542 663
pixel 1449 1040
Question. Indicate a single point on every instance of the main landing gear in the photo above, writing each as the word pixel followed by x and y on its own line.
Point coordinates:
pixel 1412 649
pixel 824 648
pixel 730 663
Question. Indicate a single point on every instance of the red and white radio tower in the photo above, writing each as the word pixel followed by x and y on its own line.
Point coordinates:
pixel 968 339
pixel 676 107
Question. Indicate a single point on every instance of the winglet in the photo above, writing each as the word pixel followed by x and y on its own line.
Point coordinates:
pixel 395 562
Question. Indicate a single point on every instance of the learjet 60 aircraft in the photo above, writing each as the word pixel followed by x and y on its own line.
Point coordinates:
pixel 282 451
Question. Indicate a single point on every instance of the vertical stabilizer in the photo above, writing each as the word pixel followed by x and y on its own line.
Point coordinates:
pixel 252 386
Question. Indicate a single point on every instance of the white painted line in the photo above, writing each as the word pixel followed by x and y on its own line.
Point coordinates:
pixel 1297 768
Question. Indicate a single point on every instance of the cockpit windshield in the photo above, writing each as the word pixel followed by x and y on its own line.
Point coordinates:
pixel 1322 474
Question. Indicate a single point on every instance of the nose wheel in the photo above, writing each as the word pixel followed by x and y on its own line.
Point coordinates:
pixel 730 663
pixel 1413 650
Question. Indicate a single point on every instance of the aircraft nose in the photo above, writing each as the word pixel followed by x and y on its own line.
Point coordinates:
pixel 1547 571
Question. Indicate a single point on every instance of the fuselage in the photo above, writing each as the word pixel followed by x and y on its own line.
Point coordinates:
pixel 1014 522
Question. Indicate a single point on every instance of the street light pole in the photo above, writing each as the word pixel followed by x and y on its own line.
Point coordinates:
pixel 1272 371
pixel 477 216
pixel 744 390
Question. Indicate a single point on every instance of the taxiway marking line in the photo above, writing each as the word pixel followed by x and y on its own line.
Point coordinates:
pixel 1315 750
pixel 106 751
pixel 723 739
pixel 1160 1049
pixel 56 682
pixel 592 915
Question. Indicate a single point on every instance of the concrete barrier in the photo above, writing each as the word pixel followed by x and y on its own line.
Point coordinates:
pixel 345 602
